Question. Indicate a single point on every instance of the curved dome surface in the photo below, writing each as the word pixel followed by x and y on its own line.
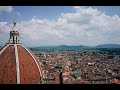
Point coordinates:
pixel 18 65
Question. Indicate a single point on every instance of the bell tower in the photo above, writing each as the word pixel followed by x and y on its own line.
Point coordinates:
pixel 14 35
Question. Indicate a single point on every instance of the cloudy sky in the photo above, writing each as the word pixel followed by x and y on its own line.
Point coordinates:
pixel 62 25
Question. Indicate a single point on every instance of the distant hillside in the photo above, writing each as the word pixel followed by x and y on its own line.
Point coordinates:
pixel 62 47
pixel 65 47
pixel 48 48
pixel 108 46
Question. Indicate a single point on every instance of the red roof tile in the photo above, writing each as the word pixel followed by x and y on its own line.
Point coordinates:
pixel 8 66
pixel 29 72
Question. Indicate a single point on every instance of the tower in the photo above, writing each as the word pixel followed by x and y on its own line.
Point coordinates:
pixel 14 35
pixel 18 65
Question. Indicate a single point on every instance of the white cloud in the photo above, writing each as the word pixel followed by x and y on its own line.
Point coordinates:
pixel 18 13
pixel 4 31
pixel 4 28
pixel 86 26
pixel 6 8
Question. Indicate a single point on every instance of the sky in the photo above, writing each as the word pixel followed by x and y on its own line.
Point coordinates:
pixel 61 25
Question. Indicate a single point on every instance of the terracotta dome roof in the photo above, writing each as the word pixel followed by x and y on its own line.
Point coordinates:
pixel 18 65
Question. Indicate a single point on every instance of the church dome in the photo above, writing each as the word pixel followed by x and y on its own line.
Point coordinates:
pixel 18 64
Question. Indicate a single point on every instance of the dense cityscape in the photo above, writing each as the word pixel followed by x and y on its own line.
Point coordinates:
pixel 63 45
pixel 80 67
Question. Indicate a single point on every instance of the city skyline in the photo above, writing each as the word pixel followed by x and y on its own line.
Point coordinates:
pixel 62 25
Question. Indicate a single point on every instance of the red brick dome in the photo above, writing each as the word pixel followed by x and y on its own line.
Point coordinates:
pixel 18 65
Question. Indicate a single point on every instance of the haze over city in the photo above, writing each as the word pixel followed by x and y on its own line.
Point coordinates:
pixel 63 45
pixel 62 25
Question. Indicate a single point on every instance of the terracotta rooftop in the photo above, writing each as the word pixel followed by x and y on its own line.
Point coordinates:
pixel 18 65
pixel 29 68
pixel 8 66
